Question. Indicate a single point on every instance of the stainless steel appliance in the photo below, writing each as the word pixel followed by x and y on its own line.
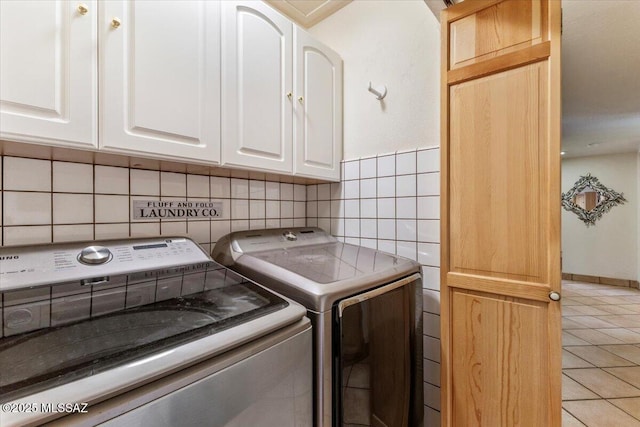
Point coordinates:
pixel 146 332
pixel 366 310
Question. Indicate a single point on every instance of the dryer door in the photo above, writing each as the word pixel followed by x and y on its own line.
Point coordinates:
pixel 376 356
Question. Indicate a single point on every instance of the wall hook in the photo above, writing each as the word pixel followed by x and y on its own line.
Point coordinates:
pixel 379 92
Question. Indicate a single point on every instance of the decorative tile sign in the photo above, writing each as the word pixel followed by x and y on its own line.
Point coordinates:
pixel 155 209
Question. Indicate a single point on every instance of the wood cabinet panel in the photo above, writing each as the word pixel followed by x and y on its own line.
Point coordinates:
pixel 498 208
pixel 496 30
pixel 497 339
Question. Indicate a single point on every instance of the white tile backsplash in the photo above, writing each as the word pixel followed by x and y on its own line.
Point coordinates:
pixel 429 184
pixel 72 177
pixel 299 192
pixel 239 188
pixel 352 189
pixel 111 180
pixel 272 209
pixel 239 209
pixel 27 235
pixel 286 209
pixel 351 170
pixel 406 207
pixel 368 208
pixel 352 208
pixel 387 165
pixel 368 168
pixel 143 182
pixel 110 208
pixel 173 228
pixel 220 187
pixel 26 174
pixel 429 160
pixel 429 230
pixel 72 233
pixel 197 186
pixel 147 229
pixel 406 185
pixel 406 229
pixel 257 189
pixel 368 188
pixel 387 229
pixel 406 163
pixel 286 191
pixel 387 187
pixel 406 249
pixel 173 184
pixel 26 208
pixel 257 209
pixel 111 231
pixel 74 201
pixel 429 207
pixel 72 208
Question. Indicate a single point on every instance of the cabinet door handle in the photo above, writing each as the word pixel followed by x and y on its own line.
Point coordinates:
pixel 300 99
pixel 289 95
pixel 115 22
pixel 82 9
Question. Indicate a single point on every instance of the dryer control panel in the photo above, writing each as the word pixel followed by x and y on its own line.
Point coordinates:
pixel 278 238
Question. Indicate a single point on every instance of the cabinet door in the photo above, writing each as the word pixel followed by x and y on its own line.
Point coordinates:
pixel 49 69
pixel 318 109
pixel 256 82
pixel 160 79
pixel 500 214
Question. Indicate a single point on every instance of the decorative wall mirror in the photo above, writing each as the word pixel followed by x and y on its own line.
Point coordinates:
pixel 590 200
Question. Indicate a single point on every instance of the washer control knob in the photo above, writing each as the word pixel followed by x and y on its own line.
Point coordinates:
pixel 94 255
pixel 290 236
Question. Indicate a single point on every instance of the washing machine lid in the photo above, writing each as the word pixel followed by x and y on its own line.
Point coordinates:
pixel 309 265
pixel 63 354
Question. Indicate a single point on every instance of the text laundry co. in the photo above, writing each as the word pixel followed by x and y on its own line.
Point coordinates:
pixel 153 209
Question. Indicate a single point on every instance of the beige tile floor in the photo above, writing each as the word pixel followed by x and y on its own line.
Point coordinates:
pixel 600 355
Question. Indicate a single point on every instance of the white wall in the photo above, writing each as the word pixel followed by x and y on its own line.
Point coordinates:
pixel 395 43
pixel 611 247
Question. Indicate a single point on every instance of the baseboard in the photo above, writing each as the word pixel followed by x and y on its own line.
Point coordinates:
pixel 601 280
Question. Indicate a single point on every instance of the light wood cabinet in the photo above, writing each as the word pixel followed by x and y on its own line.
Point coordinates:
pixel 48 72
pixel 500 214
pixel 160 79
pixel 281 95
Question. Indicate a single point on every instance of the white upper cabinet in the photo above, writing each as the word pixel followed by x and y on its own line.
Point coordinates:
pixel 160 78
pixel 257 87
pixel 48 72
pixel 318 111
pixel 281 95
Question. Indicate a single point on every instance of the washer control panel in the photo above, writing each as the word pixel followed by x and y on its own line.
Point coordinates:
pixel 29 266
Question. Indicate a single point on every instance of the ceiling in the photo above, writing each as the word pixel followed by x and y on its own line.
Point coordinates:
pixel 600 77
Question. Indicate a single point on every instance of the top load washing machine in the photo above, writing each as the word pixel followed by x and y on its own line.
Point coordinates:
pixel 146 332
pixel 366 310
